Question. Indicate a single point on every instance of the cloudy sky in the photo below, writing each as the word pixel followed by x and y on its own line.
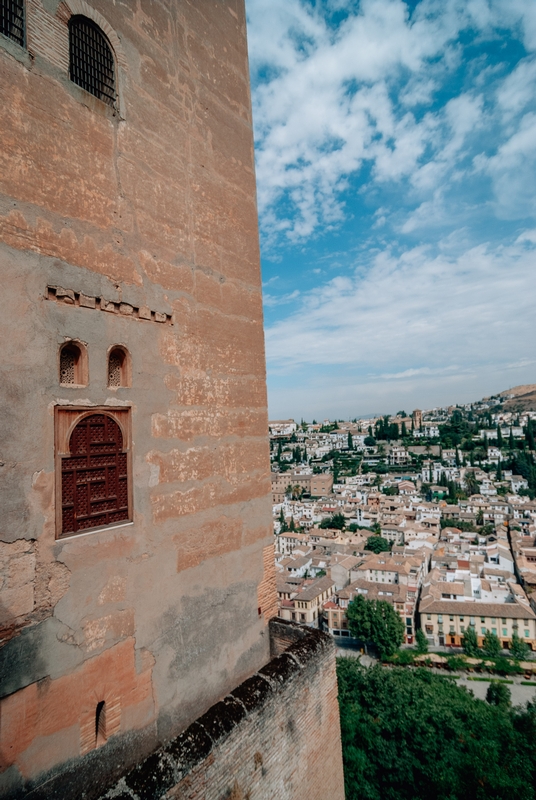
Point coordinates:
pixel 396 169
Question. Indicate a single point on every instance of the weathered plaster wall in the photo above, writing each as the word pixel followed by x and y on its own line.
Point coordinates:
pixel 152 207
pixel 274 737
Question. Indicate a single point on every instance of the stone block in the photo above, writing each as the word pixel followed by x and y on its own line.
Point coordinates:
pixel 87 302
pixel 65 295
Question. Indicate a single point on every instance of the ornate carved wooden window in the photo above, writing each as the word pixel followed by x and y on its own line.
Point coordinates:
pixel 12 20
pixel 94 472
pixel 73 365
pixel 91 60
pixel 118 368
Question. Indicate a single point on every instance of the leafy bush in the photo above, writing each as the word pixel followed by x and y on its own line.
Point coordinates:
pixel 498 694
pixel 503 666
pixel 403 658
pixel 456 663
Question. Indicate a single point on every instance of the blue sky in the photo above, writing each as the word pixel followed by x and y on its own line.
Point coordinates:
pixel 396 172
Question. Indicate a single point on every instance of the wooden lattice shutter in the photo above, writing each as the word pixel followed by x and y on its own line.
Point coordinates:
pixel 94 481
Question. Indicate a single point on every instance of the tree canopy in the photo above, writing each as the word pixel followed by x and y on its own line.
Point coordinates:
pixel 337 521
pixel 415 735
pixel 377 544
pixel 376 621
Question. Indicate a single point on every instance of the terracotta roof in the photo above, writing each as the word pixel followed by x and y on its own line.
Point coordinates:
pixel 317 587
pixel 475 608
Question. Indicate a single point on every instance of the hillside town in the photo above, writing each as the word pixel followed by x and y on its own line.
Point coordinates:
pixel 434 512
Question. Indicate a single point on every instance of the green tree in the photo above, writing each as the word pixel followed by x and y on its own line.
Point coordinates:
pixel 470 643
pixel 498 474
pixel 491 645
pixel 350 441
pixel 519 648
pixel 421 641
pixel 471 483
pixel 377 544
pixel 498 694
pixel 499 436
pixel 376 528
pixel 414 735
pixel 337 521
pixel 529 435
pixel 376 621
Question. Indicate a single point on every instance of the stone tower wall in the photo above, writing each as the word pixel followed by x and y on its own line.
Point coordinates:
pixel 134 227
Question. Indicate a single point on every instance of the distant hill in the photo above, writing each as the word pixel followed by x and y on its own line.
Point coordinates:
pixel 527 388
pixel 520 398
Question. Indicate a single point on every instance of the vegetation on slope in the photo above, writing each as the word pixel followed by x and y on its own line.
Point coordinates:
pixel 415 735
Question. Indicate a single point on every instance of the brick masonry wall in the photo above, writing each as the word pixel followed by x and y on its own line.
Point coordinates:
pixel 274 737
pixel 267 591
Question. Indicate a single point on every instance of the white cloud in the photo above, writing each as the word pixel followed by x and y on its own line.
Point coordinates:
pixel 414 310
pixel 518 88
pixel 281 299
pixel 327 100
pixel 326 105
pixel 513 171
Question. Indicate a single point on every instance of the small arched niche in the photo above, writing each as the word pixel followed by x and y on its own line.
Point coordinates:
pixel 73 364
pixel 118 367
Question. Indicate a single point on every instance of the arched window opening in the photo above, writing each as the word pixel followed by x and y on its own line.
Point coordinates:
pixel 118 368
pixel 100 723
pixel 73 368
pixel 12 20
pixel 91 60
pixel 94 476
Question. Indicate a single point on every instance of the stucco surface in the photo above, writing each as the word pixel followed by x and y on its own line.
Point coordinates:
pixel 152 207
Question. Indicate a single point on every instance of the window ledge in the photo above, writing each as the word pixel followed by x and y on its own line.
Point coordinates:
pixel 68 536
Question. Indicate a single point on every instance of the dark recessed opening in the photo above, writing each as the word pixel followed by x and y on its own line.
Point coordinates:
pixel 100 722
pixel 70 364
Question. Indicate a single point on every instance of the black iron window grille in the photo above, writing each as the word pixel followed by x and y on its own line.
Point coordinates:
pixel 12 20
pixel 91 59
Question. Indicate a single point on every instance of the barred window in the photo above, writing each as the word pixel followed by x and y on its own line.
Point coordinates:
pixel 12 20
pixel 91 61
